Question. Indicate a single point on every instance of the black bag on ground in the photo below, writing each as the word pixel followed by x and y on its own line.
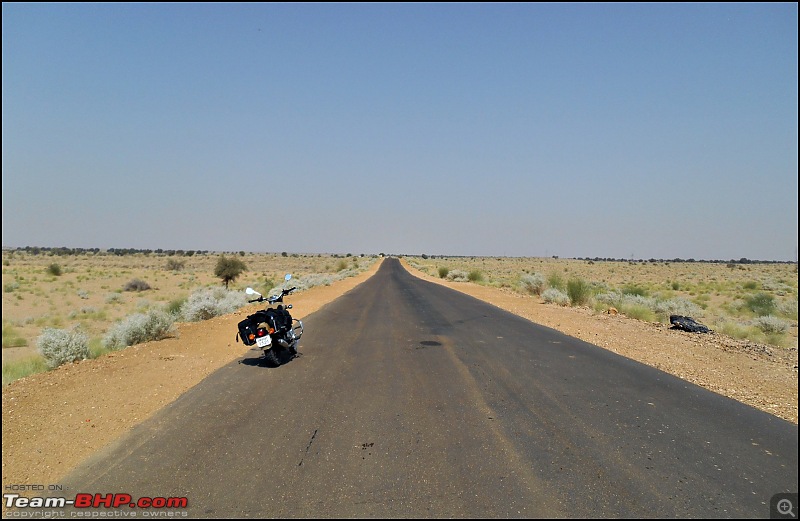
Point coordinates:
pixel 687 324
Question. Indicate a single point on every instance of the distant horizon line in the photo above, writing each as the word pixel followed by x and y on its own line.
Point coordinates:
pixel 190 252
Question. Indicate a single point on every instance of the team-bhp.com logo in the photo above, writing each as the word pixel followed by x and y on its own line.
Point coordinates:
pixel 95 501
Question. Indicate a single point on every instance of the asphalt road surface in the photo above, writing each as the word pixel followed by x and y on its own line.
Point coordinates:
pixel 413 400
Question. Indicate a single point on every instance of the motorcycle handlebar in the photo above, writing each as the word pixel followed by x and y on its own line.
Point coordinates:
pixel 273 299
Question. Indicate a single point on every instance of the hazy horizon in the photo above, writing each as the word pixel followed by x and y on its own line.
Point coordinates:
pixel 491 130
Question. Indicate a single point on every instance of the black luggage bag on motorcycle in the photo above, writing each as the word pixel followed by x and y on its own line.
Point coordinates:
pixel 278 319
pixel 248 327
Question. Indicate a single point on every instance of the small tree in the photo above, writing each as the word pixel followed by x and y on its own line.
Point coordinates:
pixel 228 269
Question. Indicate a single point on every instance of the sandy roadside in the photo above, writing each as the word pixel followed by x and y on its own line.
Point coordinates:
pixel 52 421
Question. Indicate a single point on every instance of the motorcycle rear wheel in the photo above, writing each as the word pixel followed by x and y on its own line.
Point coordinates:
pixel 271 356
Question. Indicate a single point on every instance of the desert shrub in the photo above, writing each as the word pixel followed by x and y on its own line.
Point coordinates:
pixel 24 367
pixel 96 348
pixel 11 287
pixel 136 285
pixel 174 306
pixel 59 346
pixel 556 281
pixel 533 283
pixel 228 269
pixel 579 292
pixel 475 276
pixel 771 325
pixel 83 294
pixel 54 270
pixel 612 298
pixel 84 312
pixel 634 290
pixel 761 304
pixel 788 309
pixel 315 279
pixel 212 302
pixel 266 286
pixel 458 276
pixel 555 296
pixel 140 327
pixel 341 265
pixel 113 298
pixel 734 330
pixel 443 271
pixel 11 337
pixel 175 265
pixel 677 306
pixel 750 285
pixel 639 312
pixel 638 300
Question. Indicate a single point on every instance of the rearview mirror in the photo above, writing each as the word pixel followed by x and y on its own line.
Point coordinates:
pixel 288 277
pixel 251 291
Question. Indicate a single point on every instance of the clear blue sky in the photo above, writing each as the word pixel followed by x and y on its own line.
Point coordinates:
pixel 578 130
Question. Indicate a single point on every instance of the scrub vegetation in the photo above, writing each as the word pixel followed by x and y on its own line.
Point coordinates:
pixel 62 306
pixel 743 299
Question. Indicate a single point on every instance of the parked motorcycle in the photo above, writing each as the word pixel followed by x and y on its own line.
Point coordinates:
pixel 272 329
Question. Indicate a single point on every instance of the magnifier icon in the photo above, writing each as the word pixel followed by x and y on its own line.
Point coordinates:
pixel 785 507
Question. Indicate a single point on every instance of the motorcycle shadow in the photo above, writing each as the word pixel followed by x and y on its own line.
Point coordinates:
pixel 260 361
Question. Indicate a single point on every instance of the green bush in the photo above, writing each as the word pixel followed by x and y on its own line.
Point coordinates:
pixel 734 330
pixel 24 367
pixel 10 336
pixel 443 271
pixel 761 304
pixel 556 281
pixel 579 292
pixel 174 306
pixel 634 290
pixel 54 269
pixel 639 312
pixel 475 276
pixel 59 346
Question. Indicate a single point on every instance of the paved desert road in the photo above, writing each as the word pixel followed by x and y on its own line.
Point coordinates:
pixel 412 400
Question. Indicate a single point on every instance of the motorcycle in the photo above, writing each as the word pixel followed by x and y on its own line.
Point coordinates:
pixel 272 329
